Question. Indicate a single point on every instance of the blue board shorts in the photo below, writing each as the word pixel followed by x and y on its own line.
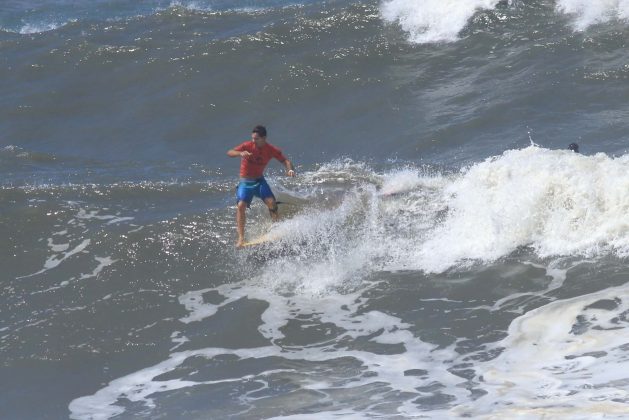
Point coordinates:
pixel 255 188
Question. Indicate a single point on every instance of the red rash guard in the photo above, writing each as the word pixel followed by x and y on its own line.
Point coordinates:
pixel 253 166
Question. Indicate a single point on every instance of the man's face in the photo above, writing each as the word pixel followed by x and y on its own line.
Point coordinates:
pixel 257 139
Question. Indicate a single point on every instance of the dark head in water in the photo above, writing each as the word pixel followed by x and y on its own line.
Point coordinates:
pixel 574 147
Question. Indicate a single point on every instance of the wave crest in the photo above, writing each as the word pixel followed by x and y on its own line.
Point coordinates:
pixel 433 20
pixel 588 13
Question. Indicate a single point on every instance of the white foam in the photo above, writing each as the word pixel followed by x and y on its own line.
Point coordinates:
pixel 54 261
pixel 57 259
pixel 76 230
pixel 102 263
pixel 191 5
pixel 197 308
pixel 586 13
pixel 94 214
pixel 178 339
pixel 566 358
pixel 35 28
pixel 339 310
pixel 57 247
pixel 408 180
pixel 433 20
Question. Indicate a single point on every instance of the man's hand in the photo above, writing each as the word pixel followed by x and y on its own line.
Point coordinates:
pixel 245 154
pixel 290 172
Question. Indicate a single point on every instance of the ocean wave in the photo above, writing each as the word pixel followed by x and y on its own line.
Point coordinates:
pixel 433 20
pixel 545 203
pixel 554 202
pixel 588 13
pixel 34 28
pixel 31 28
pixel 16 153
pixel 49 18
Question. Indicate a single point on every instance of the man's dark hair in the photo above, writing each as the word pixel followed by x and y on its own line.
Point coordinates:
pixel 260 129
pixel 574 147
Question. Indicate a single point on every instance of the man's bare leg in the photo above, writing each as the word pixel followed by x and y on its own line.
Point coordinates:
pixel 240 223
pixel 272 205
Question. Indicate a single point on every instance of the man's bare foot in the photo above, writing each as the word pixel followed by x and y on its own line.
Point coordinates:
pixel 240 243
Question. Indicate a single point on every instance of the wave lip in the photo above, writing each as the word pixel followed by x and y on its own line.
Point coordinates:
pixel 433 20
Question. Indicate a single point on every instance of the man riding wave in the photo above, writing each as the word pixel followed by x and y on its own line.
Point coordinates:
pixel 255 155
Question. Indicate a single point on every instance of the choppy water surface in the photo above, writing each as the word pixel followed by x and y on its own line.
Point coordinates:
pixel 441 253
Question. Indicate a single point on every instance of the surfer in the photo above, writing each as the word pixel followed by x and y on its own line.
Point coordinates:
pixel 255 155
pixel 574 147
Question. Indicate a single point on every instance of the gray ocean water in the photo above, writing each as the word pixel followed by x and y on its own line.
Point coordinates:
pixel 441 254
